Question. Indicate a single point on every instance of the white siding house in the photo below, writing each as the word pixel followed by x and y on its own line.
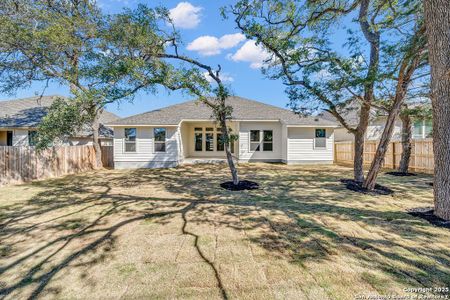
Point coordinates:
pixel 185 133
pixel 20 118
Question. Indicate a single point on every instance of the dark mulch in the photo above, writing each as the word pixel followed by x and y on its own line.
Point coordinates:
pixel 401 174
pixel 243 185
pixel 356 186
pixel 427 213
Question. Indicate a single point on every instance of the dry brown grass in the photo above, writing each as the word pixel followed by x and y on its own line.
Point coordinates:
pixel 174 233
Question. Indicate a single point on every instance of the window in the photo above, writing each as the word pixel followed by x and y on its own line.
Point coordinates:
pixel 160 139
pixel 198 139
pixel 209 140
pixel 267 140
pixel 254 140
pixel 418 129
pixel 428 129
pixel 220 142
pixel 32 138
pixel 130 139
pixel 209 129
pixel 321 139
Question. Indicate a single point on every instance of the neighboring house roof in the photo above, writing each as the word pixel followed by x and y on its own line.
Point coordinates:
pixel 350 112
pixel 28 113
pixel 243 109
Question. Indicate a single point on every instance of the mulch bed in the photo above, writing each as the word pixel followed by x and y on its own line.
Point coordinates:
pixel 427 213
pixel 356 186
pixel 401 174
pixel 243 185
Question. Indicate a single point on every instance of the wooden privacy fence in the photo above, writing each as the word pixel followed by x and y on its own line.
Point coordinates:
pixel 22 164
pixel 108 156
pixel 422 159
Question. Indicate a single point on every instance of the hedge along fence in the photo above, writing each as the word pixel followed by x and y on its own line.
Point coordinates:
pixel 22 164
pixel 422 158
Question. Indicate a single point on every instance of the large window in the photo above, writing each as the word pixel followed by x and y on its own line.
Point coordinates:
pixel 32 137
pixel 198 135
pixel 160 139
pixel 320 140
pixel 130 139
pixel 255 140
pixel 267 140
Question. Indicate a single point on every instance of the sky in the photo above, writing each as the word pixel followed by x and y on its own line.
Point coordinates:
pixel 205 36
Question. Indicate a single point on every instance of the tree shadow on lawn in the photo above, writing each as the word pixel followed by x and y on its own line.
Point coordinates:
pixel 298 214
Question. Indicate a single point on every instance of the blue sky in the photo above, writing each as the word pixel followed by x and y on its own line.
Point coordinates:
pixel 206 36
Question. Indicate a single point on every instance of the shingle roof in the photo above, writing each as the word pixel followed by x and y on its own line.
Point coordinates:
pixel 28 113
pixel 243 109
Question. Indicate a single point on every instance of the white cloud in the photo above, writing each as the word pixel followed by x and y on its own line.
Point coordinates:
pixel 210 45
pixel 225 77
pixel 185 15
pixel 252 53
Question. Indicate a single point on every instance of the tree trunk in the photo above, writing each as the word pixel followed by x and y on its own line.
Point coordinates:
pixel 378 160
pixel 358 159
pixel 406 143
pixel 96 141
pixel 226 137
pixel 437 20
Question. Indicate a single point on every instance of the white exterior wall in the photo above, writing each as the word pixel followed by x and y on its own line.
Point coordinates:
pixel 145 156
pixel 300 146
pixel 244 142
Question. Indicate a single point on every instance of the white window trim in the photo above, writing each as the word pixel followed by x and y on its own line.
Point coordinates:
pixel 261 140
pixel 250 141
pixel 125 141
pixel 315 138
pixel 159 142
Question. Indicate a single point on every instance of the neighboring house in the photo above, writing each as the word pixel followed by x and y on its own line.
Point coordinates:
pixel 19 120
pixel 421 129
pixel 186 132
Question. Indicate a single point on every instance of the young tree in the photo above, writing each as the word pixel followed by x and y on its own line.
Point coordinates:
pixel 135 25
pixel 298 36
pixel 437 20
pixel 413 56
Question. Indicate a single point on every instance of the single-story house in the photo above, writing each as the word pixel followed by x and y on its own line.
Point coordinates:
pixel 421 128
pixel 20 118
pixel 187 133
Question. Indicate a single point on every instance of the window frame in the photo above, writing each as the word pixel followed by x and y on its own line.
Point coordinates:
pixel 155 142
pixel 130 142
pixel 264 142
pixel 316 138
pixel 258 148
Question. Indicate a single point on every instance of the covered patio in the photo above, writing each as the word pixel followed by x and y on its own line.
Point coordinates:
pixel 201 142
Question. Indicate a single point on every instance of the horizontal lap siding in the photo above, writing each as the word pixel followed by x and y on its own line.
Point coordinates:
pixel 301 145
pixel 144 146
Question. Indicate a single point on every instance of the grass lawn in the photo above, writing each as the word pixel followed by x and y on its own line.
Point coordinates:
pixel 174 233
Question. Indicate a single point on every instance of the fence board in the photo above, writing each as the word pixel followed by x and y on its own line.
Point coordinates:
pixel 422 158
pixel 22 164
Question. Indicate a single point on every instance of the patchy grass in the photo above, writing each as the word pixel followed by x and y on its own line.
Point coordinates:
pixel 175 233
